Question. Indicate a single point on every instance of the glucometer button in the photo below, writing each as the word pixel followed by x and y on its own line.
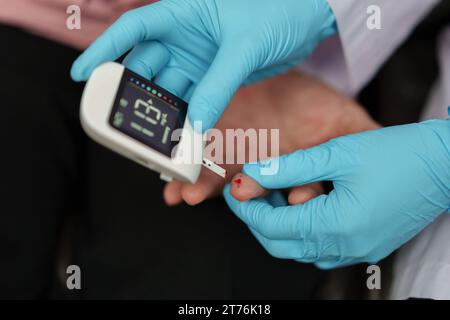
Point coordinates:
pixel 165 177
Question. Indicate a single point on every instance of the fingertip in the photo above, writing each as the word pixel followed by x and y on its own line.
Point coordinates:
pixel 173 81
pixel 236 193
pixel 76 72
pixel 244 188
pixel 172 193
pixel 139 68
pixel 147 58
pixel 193 194
pixel 229 198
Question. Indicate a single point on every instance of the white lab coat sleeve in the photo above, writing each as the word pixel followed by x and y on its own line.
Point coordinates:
pixel 349 60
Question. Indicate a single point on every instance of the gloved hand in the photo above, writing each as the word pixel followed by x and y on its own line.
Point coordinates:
pixel 204 50
pixel 388 185
pixel 320 114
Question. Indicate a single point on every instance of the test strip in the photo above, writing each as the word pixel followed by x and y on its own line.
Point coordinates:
pixel 214 168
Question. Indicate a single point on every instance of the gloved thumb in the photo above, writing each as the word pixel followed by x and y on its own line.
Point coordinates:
pixel 213 93
pixel 325 162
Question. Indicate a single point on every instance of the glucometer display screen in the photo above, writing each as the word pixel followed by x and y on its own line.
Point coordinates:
pixel 147 113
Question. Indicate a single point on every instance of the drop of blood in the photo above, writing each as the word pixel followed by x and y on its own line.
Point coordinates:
pixel 238 181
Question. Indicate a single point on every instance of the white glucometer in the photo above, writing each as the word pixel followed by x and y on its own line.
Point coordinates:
pixel 135 118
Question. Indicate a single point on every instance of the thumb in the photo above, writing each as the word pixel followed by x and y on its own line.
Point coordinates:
pixel 321 163
pixel 214 92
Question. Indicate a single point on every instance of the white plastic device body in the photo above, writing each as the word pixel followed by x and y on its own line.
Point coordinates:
pixel 97 103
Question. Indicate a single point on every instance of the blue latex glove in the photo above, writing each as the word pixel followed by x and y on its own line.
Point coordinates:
pixel 388 185
pixel 204 50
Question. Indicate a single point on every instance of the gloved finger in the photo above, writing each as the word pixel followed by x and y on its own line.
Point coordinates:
pixel 339 261
pixel 285 249
pixel 302 194
pixel 172 193
pixel 147 23
pixel 214 92
pixel 321 163
pixel 147 58
pixel 275 223
pixel 189 92
pixel 173 81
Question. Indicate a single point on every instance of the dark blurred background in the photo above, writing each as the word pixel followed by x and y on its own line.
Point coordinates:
pixel 90 211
